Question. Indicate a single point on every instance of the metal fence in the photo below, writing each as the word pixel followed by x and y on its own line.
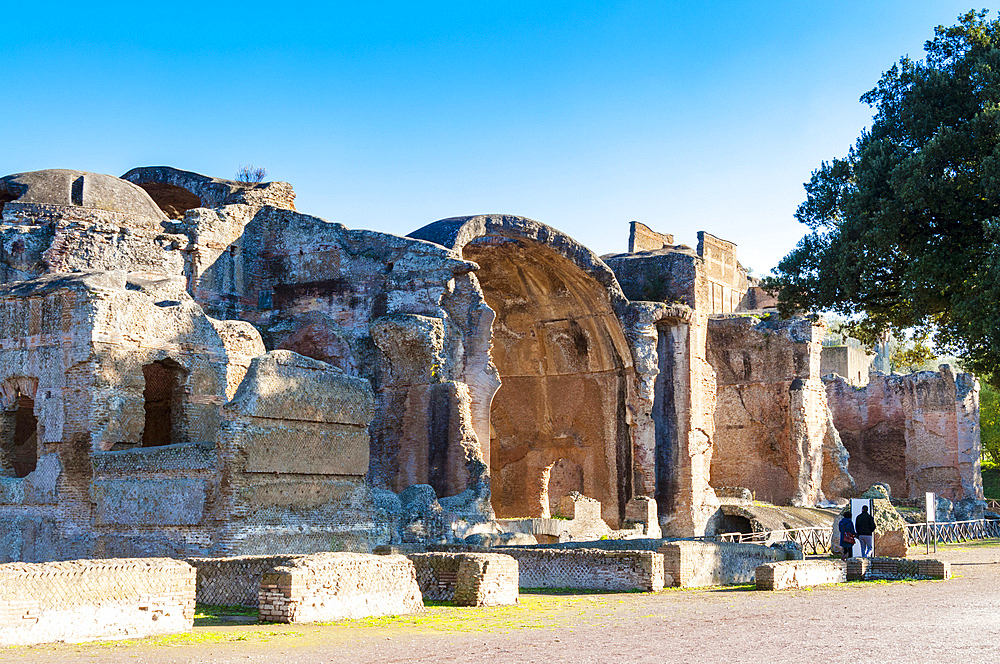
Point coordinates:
pixel 814 541
pixel 948 532
pixel 817 540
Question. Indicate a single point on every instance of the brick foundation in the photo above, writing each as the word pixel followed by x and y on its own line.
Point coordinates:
pixel 469 579
pixel 799 574
pixel 85 600
pixel 337 586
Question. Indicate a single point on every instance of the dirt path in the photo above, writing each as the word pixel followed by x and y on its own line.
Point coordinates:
pixel 926 621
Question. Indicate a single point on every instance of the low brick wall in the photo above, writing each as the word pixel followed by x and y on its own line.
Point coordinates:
pixel 337 586
pixel 468 579
pixel 694 564
pixel 589 569
pixel 234 581
pixel 799 574
pixel 84 600
pixel 864 568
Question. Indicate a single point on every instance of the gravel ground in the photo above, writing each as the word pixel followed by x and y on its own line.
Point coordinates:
pixel 907 621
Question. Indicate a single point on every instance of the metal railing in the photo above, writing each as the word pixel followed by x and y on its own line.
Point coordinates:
pixel 949 532
pixel 814 540
pixel 817 540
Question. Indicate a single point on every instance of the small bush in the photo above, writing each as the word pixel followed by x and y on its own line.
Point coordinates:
pixel 251 174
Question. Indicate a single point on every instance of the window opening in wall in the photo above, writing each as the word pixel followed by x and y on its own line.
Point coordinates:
pixel 19 455
pixel 162 396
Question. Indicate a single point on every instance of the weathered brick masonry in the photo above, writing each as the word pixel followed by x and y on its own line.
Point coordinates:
pixel 692 564
pixel 468 579
pixel 234 581
pixel 337 586
pixel 800 574
pixel 589 569
pixel 84 600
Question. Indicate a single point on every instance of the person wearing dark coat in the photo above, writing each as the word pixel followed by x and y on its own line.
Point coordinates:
pixel 865 526
pixel 846 527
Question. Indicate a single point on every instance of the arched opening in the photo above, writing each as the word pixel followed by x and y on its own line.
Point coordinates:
pixel 164 406
pixel 174 201
pixel 6 197
pixel 20 437
pixel 734 523
pixel 558 421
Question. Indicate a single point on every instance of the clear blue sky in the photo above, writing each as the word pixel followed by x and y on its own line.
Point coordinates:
pixel 584 115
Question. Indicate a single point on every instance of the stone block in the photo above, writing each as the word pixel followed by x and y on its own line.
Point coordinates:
pixel 468 579
pixel 338 586
pixel 694 564
pixel 799 574
pixel 85 600
pixel 892 544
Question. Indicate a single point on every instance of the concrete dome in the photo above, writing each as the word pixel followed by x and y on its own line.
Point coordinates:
pixel 79 189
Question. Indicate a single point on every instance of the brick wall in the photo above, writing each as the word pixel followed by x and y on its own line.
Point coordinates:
pixel 470 579
pixel 692 564
pixel 84 600
pixel 589 569
pixel 337 586
pixel 859 569
pixel 800 574
pixel 234 581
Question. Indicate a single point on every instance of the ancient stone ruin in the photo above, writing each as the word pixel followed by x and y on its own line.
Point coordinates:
pixel 189 366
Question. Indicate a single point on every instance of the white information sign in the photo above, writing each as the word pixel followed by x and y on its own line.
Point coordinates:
pixel 931 504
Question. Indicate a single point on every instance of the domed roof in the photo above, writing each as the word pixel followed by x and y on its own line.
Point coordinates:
pixel 79 189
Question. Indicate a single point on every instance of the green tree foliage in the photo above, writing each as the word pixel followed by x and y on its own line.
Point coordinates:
pixel 912 355
pixel 989 421
pixel 905 230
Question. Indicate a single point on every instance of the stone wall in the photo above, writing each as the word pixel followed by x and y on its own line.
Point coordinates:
pixel 694 564
pixel 339 586
pixel 589 569
pixel 849 361
pixel 234 581
pixel 917 433
pixel 468 579
pixel 772 430
pixel 792 574
pixel 859 569
pixel 85 600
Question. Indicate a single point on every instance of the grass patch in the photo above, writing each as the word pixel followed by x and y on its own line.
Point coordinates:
pixel 571 591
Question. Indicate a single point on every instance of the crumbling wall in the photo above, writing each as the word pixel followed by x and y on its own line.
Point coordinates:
pixel 772 430
pixel 917 433
pixel 338 586
pixel 694 564
pixel 86 600
pixel 294 454
pixel 558 422
pixel 468 579
pixel 234 580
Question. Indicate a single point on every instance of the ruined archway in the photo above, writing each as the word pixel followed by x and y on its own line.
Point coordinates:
pixel 563 360
pixel 174 201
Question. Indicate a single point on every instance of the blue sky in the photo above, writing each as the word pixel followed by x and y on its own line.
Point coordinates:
pixel 583 115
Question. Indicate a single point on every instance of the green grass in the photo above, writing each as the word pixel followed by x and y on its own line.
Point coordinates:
pixel 991 479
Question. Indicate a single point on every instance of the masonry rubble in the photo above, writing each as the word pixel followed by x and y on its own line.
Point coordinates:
pixel 191 367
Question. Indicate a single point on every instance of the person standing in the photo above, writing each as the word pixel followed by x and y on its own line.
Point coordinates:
pixel 847 534
pixel 865 527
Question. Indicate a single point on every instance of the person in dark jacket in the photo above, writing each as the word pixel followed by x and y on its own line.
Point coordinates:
pixel 846 527
pixel 865 526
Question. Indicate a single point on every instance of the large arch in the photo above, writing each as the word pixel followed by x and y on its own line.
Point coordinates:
pixel 559 421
